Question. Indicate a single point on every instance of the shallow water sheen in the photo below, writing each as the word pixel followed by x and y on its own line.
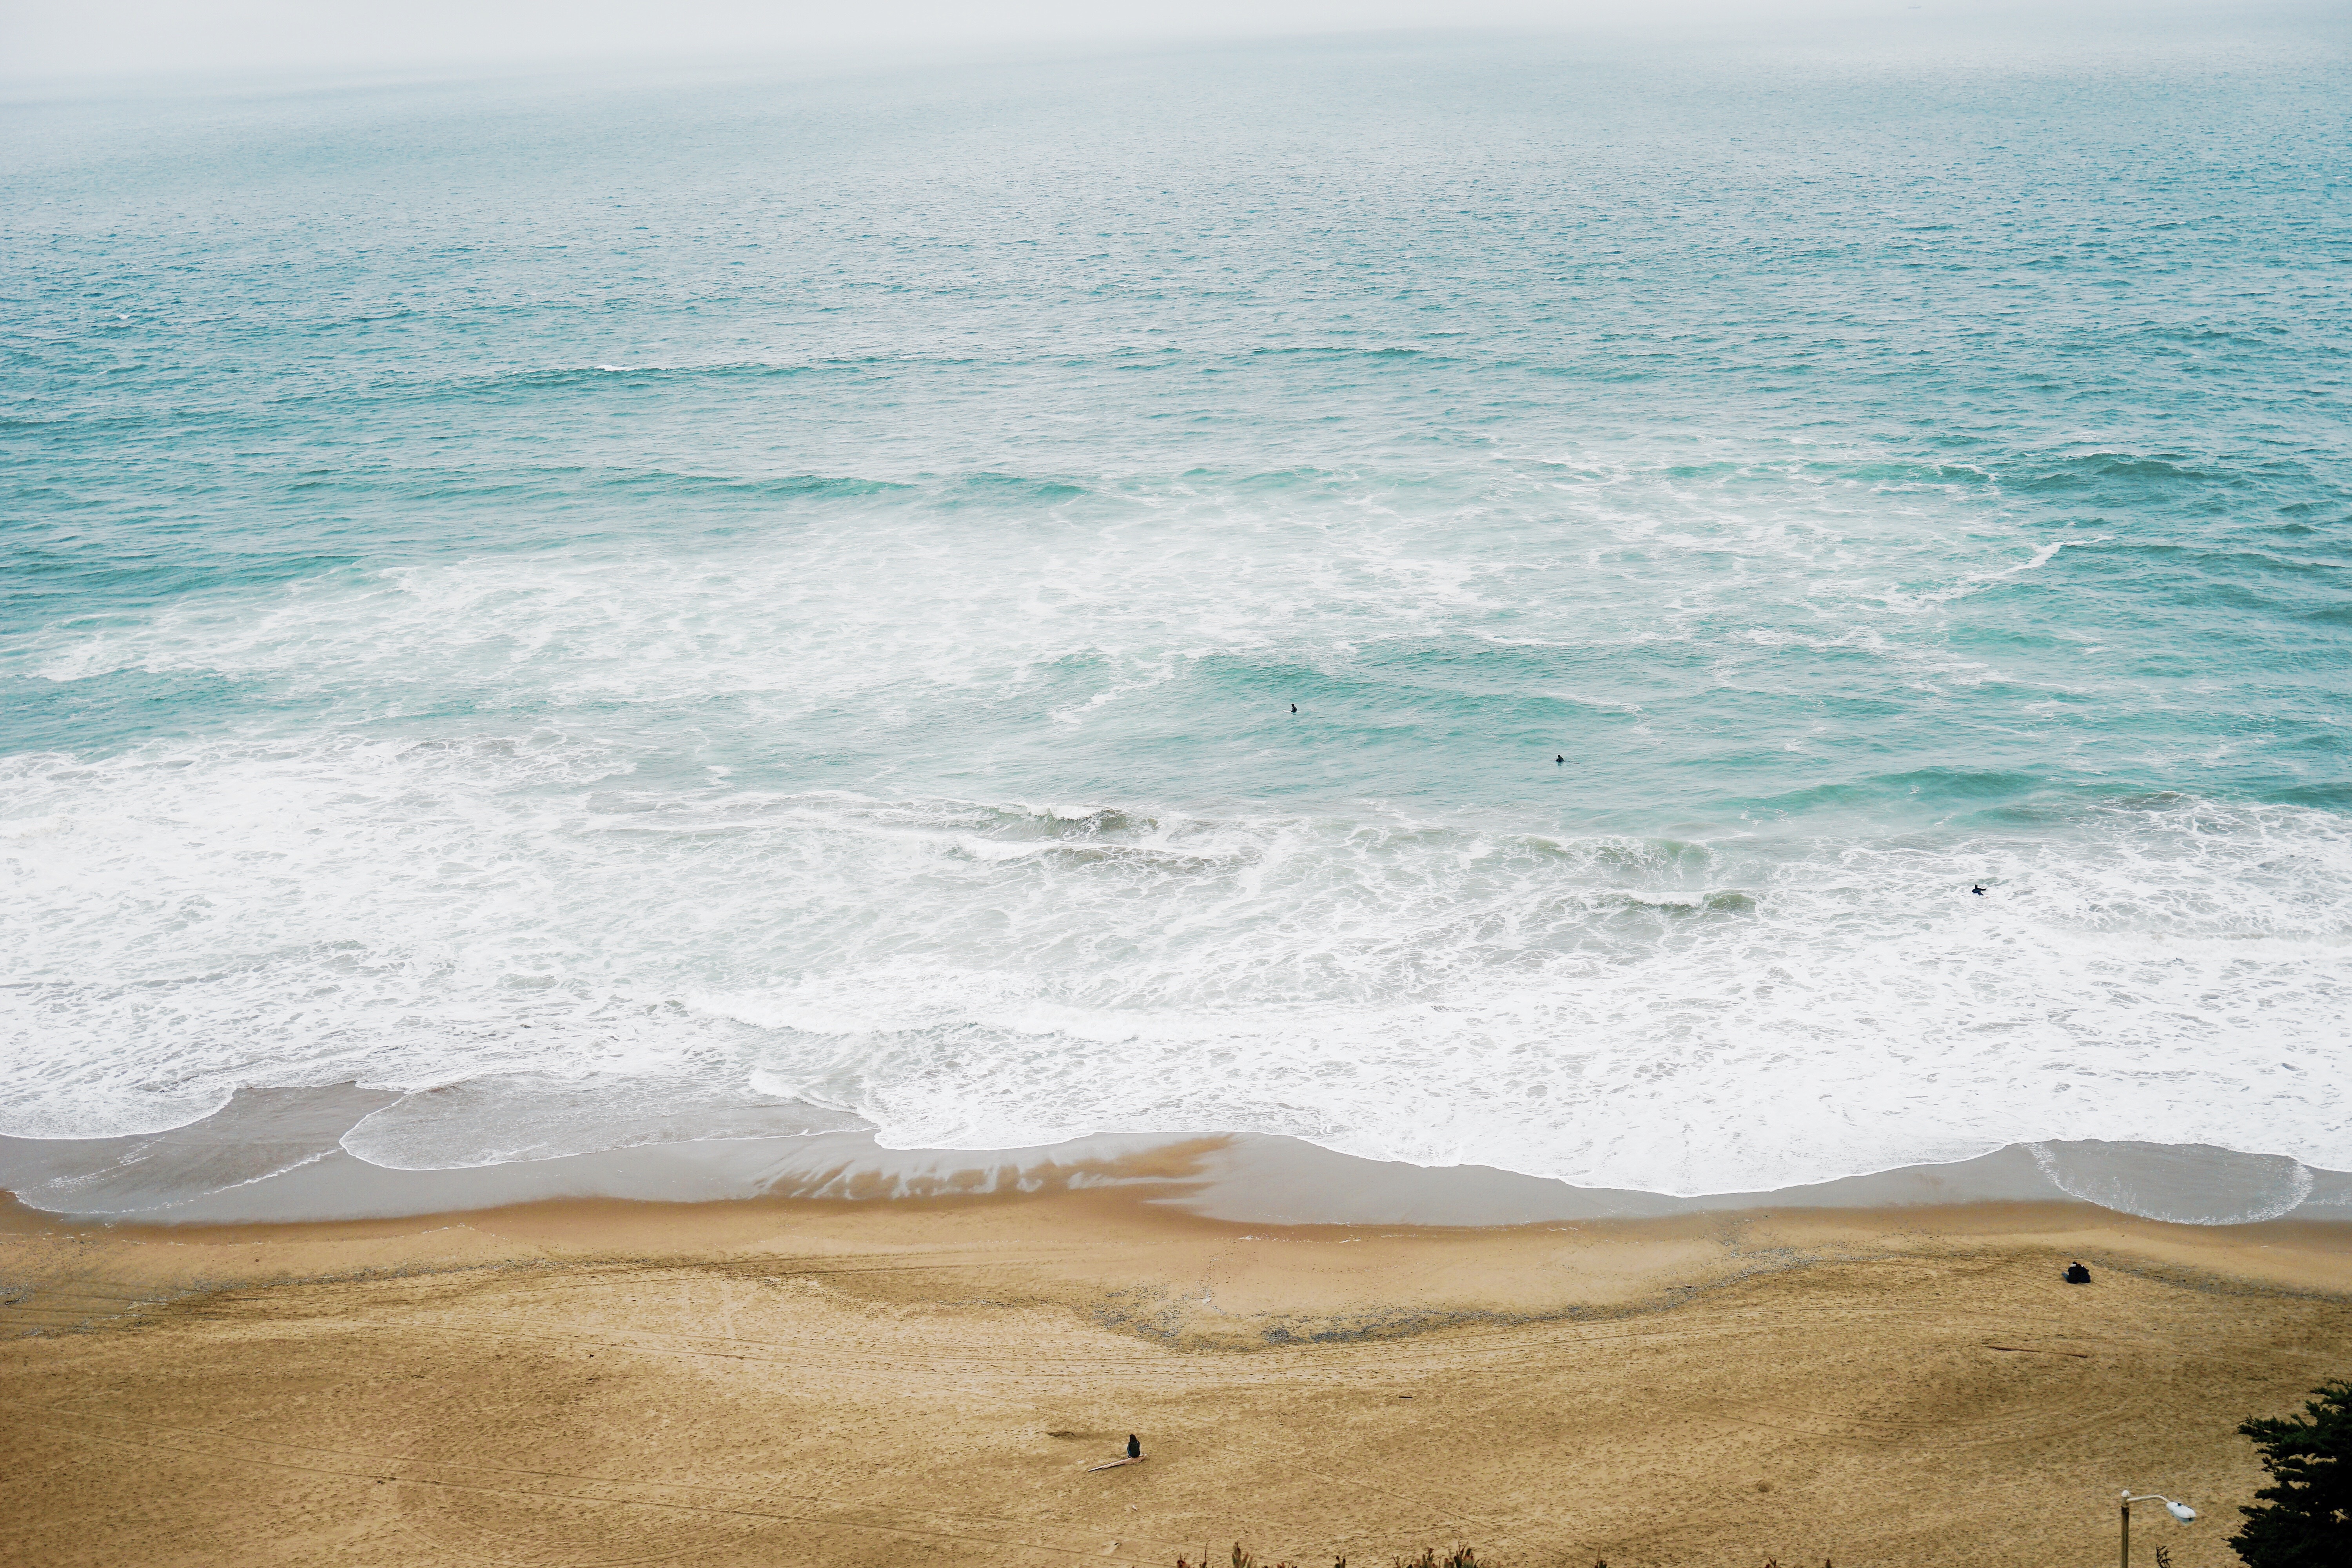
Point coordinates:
pixel 795 591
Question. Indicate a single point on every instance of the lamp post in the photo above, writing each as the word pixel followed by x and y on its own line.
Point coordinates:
pixel 2178 1511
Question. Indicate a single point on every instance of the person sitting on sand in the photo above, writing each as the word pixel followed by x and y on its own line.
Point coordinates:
pixel 1134 1448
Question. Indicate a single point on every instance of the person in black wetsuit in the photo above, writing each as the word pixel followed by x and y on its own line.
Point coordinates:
pixel 2075 1275
pixel 1134 1448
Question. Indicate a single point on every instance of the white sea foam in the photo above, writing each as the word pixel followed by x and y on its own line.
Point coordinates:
pixel 1669 1016
pixel 464 856
pixel 933 598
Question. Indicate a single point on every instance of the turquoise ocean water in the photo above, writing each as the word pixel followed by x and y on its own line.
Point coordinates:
pixel 650 598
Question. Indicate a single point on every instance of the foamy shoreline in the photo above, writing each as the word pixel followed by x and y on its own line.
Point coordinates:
pixel 277 1156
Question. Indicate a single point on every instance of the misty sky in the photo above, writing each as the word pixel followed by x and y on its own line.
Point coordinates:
pixel 41 38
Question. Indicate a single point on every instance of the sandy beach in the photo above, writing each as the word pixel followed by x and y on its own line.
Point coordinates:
pixel 930 1381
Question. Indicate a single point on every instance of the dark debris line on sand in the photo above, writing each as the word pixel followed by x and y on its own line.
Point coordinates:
pixel 1460 1557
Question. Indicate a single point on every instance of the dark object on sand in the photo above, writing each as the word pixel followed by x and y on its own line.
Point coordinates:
pixel 1134 1448
pixel 2078 1275
pixel 2304 1518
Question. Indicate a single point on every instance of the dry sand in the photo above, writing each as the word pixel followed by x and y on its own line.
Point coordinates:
pixel 797 1382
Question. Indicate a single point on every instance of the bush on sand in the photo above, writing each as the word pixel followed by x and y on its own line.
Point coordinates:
pixel 2304 1517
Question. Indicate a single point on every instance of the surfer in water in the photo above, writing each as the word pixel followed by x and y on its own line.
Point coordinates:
pixel 1978 890
pixel 1294 708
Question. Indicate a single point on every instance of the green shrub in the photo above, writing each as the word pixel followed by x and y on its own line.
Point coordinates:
pixel 2305 1520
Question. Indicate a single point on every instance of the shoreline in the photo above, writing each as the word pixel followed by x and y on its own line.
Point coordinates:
pixel 278 1157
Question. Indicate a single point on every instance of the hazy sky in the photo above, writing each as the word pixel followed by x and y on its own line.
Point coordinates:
pixel 43 38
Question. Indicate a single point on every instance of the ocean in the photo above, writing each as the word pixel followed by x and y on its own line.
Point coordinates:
pixel 1468 600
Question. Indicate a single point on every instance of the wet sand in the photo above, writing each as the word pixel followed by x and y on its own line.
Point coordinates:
pixel 788 1381
pixel 286 1155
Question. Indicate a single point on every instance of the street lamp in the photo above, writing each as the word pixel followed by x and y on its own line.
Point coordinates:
pixel 2178 1511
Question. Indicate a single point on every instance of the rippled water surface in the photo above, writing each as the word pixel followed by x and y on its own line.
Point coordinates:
pixel 692 595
